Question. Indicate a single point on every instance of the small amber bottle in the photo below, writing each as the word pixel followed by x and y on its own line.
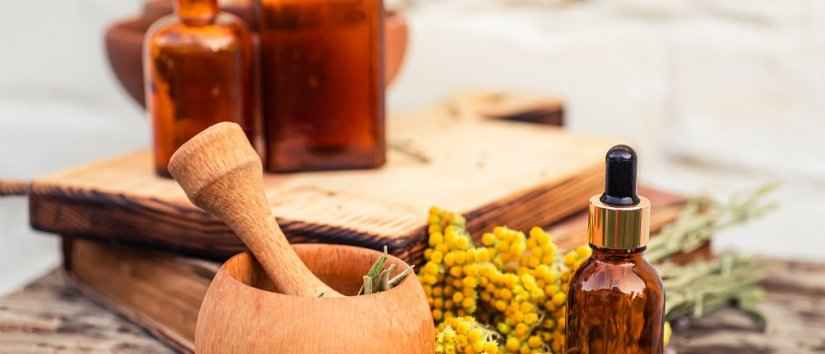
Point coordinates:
pixel 198 71
pixel 616 300
pixel 322 69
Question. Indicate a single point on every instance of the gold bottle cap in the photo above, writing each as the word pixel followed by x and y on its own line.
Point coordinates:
pixel 619 227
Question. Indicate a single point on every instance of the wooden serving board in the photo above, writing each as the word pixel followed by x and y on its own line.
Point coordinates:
pixel 491 170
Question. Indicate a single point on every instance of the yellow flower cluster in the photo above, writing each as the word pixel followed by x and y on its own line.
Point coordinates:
pixel 529 286
pixel 465 335
pixel 450 275
pixel 513 282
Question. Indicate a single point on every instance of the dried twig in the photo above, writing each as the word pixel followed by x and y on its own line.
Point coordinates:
pixel 407 148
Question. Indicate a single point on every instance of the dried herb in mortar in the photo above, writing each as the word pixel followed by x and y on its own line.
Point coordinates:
pixel 379 278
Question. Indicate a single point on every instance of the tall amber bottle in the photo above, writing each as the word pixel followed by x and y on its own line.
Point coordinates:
pixel 199 71
pixel 616 301
pixel 323 83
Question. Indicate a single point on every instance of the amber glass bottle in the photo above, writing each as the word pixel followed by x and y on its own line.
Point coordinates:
pixel 199 71
pixel 323 83
pixel 616 300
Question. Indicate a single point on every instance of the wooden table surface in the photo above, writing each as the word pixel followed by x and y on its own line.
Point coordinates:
pixel 50 316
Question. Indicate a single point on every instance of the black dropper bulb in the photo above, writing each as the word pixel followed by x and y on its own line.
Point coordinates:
pixel 620 177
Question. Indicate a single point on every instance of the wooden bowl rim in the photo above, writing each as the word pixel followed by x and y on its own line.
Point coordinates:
pixel 124 25
pixel 405 285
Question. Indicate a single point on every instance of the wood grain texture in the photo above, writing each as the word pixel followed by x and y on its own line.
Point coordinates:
pixel 49 316
pixel 240 304
pixel 222 174
pixel 159 292
pixel 492 171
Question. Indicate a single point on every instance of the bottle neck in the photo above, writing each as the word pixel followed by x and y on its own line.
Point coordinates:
pixel 617 254
pixel 197 12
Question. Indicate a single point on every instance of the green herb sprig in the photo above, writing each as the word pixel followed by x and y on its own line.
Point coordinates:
pixel 380 279
pixel 702 218
pixel 700 288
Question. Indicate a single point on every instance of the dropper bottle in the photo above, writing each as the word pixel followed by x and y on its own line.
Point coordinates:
pixel 616 300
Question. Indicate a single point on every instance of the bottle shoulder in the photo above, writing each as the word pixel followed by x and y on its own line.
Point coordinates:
pixel 227 31
pixel 230 20
pixel 631 276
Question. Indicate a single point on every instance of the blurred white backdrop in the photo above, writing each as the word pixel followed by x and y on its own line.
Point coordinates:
pixel 59 107
pixel 719 96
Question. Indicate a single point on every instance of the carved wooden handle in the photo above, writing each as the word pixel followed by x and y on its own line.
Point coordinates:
pixel 222 174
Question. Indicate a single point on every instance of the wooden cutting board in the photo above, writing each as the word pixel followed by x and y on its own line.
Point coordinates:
pixel 491 170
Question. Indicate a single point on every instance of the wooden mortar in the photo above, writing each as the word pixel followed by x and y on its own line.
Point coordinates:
pixel 274 303
pixel 240 314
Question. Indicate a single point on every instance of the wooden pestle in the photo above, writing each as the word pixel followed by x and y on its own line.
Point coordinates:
pixel 222 174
